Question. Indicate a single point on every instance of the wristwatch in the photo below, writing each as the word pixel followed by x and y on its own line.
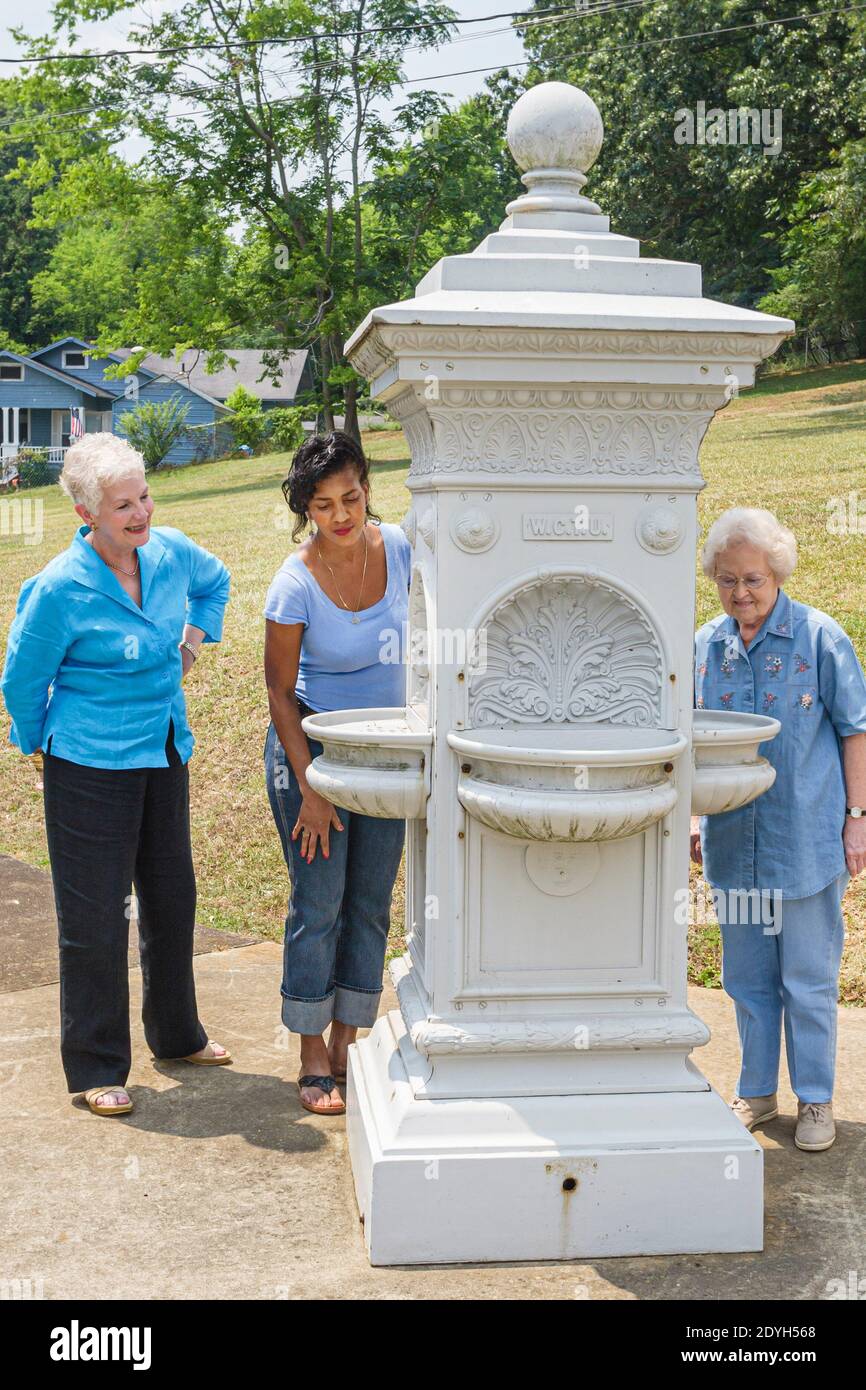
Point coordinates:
pixel 855 811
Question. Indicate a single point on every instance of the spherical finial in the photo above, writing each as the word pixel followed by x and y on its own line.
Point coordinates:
pixel 555 126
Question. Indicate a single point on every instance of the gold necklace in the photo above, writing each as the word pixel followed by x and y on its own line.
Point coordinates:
pixel 130 574
pixel 355 619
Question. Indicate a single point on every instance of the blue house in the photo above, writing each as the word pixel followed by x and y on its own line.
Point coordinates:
pixel 39 392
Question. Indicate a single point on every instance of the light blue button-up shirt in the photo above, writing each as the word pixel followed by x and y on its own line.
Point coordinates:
pixel 802 670
pixel 94 673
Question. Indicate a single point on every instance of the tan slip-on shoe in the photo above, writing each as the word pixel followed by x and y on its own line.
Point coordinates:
pixel 97 1094
pixel 816 1128
pixel 755 1110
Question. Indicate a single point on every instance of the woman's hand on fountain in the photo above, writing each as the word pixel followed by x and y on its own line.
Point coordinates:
pixel 314 822
pixel 695 841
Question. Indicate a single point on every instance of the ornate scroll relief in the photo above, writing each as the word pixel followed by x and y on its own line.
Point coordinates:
pixel 419 648
pixel 412 415
pixel 559 650
pixel 383 348
pixel 567 431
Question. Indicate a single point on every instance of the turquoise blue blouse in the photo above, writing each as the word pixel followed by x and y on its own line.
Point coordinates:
pixel 94 673
pixel 802 669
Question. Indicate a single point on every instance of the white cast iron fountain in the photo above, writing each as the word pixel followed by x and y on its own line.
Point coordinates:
pixel 534 1095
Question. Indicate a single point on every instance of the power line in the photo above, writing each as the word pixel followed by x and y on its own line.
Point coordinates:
pixel 646 43
pixel 499 67
pixel 328 64
pixel 298 38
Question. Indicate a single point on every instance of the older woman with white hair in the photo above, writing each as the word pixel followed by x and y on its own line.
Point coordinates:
pixel 785 858
pixel 99 646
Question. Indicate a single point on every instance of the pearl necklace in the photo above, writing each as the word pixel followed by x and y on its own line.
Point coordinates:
pixel 355 618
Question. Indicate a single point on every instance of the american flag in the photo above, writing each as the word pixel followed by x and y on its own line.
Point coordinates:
pixel 76 428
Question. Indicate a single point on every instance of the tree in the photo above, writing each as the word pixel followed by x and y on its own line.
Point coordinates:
pixel 24 250
pixel 289 169
pixel 153 427
pixel 726 206
pixel 822 280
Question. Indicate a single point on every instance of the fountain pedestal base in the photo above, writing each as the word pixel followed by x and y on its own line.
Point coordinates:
pixel 555 1177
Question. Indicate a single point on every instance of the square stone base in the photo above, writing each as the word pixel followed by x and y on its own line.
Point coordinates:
pixel 562 1177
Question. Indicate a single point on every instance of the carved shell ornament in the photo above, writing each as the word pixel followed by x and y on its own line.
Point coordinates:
pixel 659 529
pixel 409 525
pixel 560 650
pixel 475 530
pixel 427 528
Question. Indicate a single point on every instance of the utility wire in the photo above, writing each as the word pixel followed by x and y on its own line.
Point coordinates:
pixel 499 67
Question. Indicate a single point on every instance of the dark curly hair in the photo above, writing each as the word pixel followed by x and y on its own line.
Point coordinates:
pixel 316 459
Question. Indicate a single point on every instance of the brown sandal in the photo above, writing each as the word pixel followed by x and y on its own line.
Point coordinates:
pixel 322 1083
pixel 92 1097
pixel 207 1061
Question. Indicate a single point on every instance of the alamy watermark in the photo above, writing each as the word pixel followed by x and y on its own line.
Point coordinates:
pixel 730 907
pixel 741 125
pixel 23 516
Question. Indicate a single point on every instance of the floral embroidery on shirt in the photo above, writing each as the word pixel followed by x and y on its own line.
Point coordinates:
pixel 781 627
pixel 772 666
pixel 702 669
pixel 801 664
pixel 727 666
pixel 699 702
pixel 805 701
pixel 770 699
pixel 726 699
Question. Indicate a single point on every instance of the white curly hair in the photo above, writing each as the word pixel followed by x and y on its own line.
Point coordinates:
pixel 95 462
pixel 751 526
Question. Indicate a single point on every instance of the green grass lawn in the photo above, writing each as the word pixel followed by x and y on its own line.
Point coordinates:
pixel 792 445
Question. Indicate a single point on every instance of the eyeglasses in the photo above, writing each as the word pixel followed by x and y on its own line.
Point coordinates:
pixel 749 581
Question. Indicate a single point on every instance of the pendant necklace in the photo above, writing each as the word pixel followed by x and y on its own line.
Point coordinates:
pixel 130 574
pixel 355 618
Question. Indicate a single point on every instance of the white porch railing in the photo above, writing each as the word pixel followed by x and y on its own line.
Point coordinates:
pixel 54 453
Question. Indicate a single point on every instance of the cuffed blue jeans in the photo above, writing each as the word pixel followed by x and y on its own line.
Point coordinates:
pixel 339 908
pixel 785 970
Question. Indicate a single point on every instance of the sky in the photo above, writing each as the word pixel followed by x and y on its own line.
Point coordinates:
pixel 487 49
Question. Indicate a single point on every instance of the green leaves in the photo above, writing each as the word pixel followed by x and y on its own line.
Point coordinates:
pixel 153 427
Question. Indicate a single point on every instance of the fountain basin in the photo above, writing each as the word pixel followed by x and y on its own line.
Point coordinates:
pixel 374 761
pixel 729 771
pixel 568 783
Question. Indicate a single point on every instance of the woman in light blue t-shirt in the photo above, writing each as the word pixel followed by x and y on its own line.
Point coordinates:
pixel 336 613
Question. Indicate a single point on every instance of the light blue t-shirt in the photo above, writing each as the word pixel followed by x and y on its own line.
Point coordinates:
pixel 347 665
pixel 802 669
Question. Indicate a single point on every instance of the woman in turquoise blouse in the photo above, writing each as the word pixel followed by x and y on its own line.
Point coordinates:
pixel 100 643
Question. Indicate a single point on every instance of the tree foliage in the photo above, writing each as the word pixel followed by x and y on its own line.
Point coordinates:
pixel 154 427
pixel 727 207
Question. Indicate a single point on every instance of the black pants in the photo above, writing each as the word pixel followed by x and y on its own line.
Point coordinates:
pixel 107 830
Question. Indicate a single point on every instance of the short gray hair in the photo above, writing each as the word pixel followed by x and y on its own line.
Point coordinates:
pixel 751 526
pixel 93 463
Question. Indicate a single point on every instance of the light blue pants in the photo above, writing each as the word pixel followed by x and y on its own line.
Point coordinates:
pixel 787 971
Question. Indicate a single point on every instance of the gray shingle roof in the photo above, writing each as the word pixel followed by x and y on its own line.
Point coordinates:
pixel 190 371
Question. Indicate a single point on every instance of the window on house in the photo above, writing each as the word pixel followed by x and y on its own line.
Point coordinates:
pixel 76 359
pixel 11 371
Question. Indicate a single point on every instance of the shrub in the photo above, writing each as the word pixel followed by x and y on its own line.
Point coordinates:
pixel 34 470
pixel 285 428
pixel 248 421
pixel 153 427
